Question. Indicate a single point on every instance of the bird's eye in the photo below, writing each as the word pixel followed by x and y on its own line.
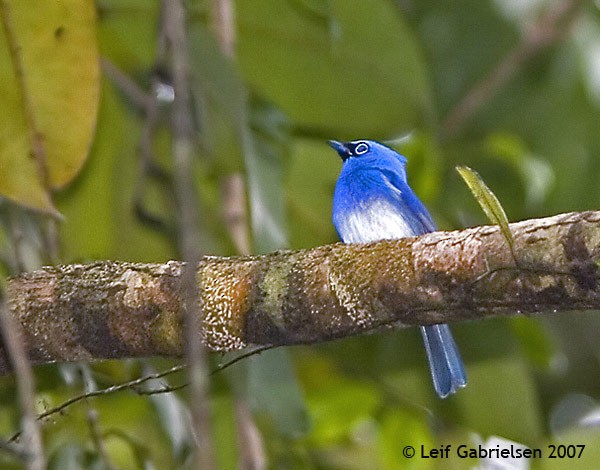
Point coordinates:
pixel 361 148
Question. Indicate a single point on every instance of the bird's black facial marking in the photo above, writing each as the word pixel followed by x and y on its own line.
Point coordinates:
pixel 350 149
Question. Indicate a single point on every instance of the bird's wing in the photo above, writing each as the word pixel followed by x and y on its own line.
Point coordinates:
pixel 407 202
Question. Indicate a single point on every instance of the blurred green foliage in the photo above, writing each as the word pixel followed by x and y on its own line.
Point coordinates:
pixel 305 71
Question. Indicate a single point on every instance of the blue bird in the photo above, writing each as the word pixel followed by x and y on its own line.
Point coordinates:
pixel 373 201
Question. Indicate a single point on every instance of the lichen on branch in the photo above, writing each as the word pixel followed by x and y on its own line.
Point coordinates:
pixel 116 309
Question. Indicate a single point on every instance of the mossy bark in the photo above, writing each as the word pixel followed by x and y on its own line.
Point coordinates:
pixel 117 309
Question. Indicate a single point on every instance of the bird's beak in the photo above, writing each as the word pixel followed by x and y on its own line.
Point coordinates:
pixel 340 148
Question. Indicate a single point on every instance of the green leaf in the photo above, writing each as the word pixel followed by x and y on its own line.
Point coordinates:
pixel 99 219
pixel 340 68
pixel 264 155
pixel 501 397
pixel 267 382
pixel 534 339
pixel 273 390
pixel 400 427
pixel 49 88
pixel 536 173
pixel 487 200
pixel 69 456
pixel 220 99
pixel 274 393
pixel 127 34
pixel 337 404
pixel 425 163
pixel 310 192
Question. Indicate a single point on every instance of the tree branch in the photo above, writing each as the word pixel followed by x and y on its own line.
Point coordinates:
pixel 116 309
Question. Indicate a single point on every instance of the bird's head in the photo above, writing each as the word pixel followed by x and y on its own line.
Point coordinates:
pixel 368 152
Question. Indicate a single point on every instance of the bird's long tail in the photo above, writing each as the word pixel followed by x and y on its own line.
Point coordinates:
pixel 446 365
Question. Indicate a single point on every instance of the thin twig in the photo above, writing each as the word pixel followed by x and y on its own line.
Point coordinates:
pixel 147 168
pixel 250 352
pixel 223 23
pixel 26 385
pixel 251 448
pixel 163 389
pixel 14 449
pixel 130 385
pixel 188 227
pixel 235 213
pixel 50 237
pixel 14 231
pixel 548 30
pixel 92 419
pixel 126 85
pixel 90 385
pixel 134 385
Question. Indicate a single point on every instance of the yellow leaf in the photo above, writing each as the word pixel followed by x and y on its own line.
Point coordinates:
pixel 49 90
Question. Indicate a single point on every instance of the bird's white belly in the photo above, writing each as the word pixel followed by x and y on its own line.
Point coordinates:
pixel 377 220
